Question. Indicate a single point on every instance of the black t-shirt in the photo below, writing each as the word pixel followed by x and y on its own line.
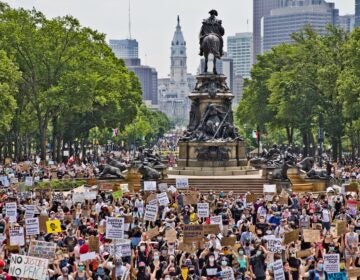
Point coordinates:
pixel 258 265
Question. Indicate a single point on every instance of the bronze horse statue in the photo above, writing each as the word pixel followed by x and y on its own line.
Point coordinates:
pixel 211 45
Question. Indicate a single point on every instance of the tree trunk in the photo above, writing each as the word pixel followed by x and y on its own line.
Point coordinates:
pixel 290 134
pixel 43 131
pixel 334 146
pixel 340 148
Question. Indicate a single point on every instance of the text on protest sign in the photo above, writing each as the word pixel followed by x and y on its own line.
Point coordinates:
pixel 32 226
pixel 115 228
pixel 11 211
pixel 269 188
pixel 30 211
pixel 332 263
pixel 163 199
pixel 193 233
pixel 29 181
pixel 28 267
pixel 17 236
pixel 42 249
pixel 150 213
pixel 274 244
pixel 87 256
pixel 122 248
pixel 182 183
pixel 216 220
pixel 278 270
pixel 203 210
pixel 163 187
pixel 149 185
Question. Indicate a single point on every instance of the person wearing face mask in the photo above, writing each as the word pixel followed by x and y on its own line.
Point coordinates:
pixel 83 272
pixel 142 273
pixel 294 264
pixel 351 246
pixel 257 263
pixel 142 255
pixel 226 271
pixel 318 273
pixel 211 269
pixel 242 261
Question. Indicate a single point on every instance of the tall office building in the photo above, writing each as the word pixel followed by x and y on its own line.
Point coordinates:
pixel 240 50
pixel 125 49
pixel 282 22
pixel 261 8
pixel 173 91
pixel 347 22
pixel 357 13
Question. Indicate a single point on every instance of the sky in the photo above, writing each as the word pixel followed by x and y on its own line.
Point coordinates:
pixel 153 22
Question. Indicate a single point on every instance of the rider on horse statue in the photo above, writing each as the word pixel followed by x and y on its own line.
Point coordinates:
pixel 212 25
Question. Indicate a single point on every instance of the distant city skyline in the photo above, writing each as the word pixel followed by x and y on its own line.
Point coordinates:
pixel 153 22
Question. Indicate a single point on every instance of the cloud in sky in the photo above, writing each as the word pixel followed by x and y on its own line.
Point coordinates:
pixel 154 21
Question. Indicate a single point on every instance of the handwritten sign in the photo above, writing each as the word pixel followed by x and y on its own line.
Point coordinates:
pixel 11 211
pixel 163 199
pixel 332 263
pixel 203 210
pixel 150 213
pixel 192 233
pixel 42 249
pixel 32 226
pixel 28 267
pixel 211 229
pixel 340 227
pixel 311 235
pixel 115 228
pixel 150 186
pixel 182 183
pixel 291 236
pixel 278 270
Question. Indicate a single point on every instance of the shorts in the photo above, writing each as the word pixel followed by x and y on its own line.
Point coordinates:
pixel 349 255
pixel 326 225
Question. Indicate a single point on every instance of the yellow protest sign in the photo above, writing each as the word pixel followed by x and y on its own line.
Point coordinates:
pixel 184 272
pixel 53 226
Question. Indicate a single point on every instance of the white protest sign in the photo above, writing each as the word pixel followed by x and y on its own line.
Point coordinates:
pixel 17 236
pixel 269 188
pixel 216 220
pixel 153 202
pixel 114 228
pixel 122 248
pixel 172 189
pixel 87 256
pixel 90 195
pixel 29 181
pixel 28 267
pixel 14 180
pixel 274 244
pixel 163 187
pixel 163 199
pixel 150 213
pixel 278 270
pixel 32 226
pixel 5 181
pixel 78 197
pixel 332 263
pixel 149 185
pixel 203 210
pixel 182 183
pixel 11 211
pixel 29 211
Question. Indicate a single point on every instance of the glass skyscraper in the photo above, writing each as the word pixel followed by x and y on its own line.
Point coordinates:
pixel 357 13
pixel 125 49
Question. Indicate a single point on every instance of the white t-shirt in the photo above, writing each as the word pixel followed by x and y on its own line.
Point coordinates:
pixel 325 215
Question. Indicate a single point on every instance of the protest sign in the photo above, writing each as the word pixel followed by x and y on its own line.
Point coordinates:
pixel 58 196
pixel 17 236
pixel 192 233
pixel 355 272
pixel 303 253
pixel 5 181
pixel 278 270
pixel 163 187
pixel 163 199
pixel 78 197
pixel 251 198
pixel 353 187
pixel 149 185
pixel 216 220
pixel 42 222
pixel 11 211
pixel 122 248
pixel 274 244
pixel 191 198
pixel 291 236
pixel 90 195
pixel 127 219
pixel 114 228
pixel 171 235
pixel 340 227
pixel 151 197
pixel 29 182
pixel 172 189
pixel 188 247
pixel 91 182
pixel 311 235
pixel 203 210
pixel 269 188
pixel 182 183
pixel 338 276
pixel 32 226
pixel 228 241
pixel 53 226
pixel 211 229
pixel 332 263
pixel 151 233
pixel 42 249
pixel 117 194
pixel 94 244
pixel 150 213
pixel 28 267
pixel 30 211
pixel 87 256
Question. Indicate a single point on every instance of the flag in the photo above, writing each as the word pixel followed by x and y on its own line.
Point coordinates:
pixel 115 132
pixel 255 134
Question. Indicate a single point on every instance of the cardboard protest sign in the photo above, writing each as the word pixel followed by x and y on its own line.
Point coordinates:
pixel 291 236
pixel 192 233
pixel 32 226
pixel 11 211
pixel 150 213
pixel 87 256
pixel 28 267
pixel 203 210
pixel 182 183
pixel 127 219
pixel 332 263
pixel 42 249
pixel 163 199
pixel 340 227
pixel 149 185
pixel 163 187
pixel 228 241
pixel 355 272
pixel 42 222
pixel 252 228
pixel 188 247
pixel 278 270
pixel 151 197
pixel 274 244
pixel 117 194
pixel 171 235
pixel 115 228
pixel 53 226
pixel 211 229
pixel 251 198
pixel 191 198
pixel 152 232
pixel 269 188
pixel 30 211
pixel 94 244
pixel 353 187
pixel 303 253
pixel 311 235
pixel 17 236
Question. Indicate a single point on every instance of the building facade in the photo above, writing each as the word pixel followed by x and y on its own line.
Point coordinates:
pixel 357 13
pixel 173 91
pixel 347 22
pixel 282 22
pixel 125 49
pixel 240 50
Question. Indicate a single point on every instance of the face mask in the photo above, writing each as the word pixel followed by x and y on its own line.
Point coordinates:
pixel 142 249
pixel 81 268
pixel 172 273
pixel 156 258
pixel 241 253
pixel 211 259
pixel 342 266
pixel 81 242
pixel 191 271
pixel 258 253
pixel 320 266
pixel 224 263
